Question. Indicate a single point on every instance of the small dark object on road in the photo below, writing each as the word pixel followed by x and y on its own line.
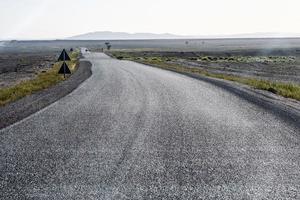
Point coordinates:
pixel 272 90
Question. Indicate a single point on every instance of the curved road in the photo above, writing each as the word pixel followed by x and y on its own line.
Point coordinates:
pixel 138 132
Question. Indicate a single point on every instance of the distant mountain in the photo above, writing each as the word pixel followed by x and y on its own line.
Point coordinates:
pixel 107 35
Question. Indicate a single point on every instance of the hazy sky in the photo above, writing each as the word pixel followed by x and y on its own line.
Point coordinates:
pixel 38 19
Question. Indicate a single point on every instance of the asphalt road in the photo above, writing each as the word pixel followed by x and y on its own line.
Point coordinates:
pixel 137 132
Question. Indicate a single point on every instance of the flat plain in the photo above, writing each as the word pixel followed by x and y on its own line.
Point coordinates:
pixel 271 59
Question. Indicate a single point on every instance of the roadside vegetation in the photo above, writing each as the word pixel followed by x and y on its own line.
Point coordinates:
pixel 288 90
pixel 247 59
pixel 42 81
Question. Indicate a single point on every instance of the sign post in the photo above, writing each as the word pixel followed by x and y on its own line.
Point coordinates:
pixel 64 69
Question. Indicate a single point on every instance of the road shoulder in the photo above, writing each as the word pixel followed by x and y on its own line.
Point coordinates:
pixel 18 110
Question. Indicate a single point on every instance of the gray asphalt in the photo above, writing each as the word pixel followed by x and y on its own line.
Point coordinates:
pixel 137 132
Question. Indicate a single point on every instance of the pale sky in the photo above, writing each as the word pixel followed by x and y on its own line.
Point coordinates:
pixel 51 19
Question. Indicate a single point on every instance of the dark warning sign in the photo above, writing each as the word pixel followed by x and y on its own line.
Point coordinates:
pixel 64 69
pixel 64 56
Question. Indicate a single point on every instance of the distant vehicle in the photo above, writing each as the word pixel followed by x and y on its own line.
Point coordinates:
pixel 108 45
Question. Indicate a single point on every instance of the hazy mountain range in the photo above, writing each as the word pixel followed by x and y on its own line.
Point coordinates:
pixel 107 35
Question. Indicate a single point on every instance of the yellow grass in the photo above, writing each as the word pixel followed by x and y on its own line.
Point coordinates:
pixel 40 82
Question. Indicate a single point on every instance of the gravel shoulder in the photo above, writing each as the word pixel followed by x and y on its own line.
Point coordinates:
pixel 26 106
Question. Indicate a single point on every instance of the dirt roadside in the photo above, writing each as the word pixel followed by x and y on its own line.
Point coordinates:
pixel 28 105
pixel 16 67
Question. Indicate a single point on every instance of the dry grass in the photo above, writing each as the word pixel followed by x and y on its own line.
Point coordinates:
pixel 40 82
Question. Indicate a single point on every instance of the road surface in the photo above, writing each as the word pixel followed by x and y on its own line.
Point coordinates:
pixel 136 132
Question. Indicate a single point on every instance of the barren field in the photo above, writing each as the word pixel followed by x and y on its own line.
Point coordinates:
pixel 18 66
pixel 288 46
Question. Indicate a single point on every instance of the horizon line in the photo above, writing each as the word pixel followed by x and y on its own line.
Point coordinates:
pixel 206 38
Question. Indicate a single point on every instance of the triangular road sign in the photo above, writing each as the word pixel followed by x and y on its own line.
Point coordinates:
pixel 64 56
pixel 64 69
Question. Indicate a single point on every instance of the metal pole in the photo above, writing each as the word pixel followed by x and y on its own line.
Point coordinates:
pixel 64 64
